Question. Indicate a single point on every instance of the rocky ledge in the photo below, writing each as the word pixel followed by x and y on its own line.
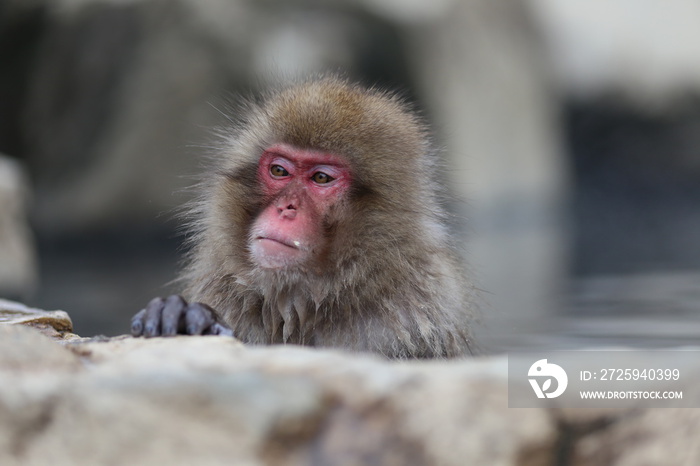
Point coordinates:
pixel 66 400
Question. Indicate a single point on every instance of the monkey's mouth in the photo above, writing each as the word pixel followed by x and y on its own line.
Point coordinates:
pixel 271 252
pixel 279 241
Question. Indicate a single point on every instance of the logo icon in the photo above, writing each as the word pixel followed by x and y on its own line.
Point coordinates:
pixel 544 370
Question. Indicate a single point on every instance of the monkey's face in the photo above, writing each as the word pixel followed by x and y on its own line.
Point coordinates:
pixel 300 187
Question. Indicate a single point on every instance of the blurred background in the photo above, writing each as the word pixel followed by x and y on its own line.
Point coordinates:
pixel 571 131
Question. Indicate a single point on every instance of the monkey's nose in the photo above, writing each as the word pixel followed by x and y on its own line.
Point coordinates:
pixel 289 211
pixel 284 205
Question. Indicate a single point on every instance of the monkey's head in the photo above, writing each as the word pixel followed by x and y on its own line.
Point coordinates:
pixel 323 226
pixel 323 174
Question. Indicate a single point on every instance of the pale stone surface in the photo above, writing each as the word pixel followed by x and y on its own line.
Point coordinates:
pixel 648 438
pixel 210 400
pixel 213 400
pixel 28 351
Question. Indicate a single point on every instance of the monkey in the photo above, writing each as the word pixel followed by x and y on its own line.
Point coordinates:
pixel 323 224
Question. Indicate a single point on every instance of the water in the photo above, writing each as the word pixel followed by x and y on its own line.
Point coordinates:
pixel 644 310
pixel 102 281
pixel 647 310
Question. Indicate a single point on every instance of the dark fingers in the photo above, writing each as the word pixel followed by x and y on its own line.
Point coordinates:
pixel 198 318
pixel 172 319
pixel 137 323
pixel 151 323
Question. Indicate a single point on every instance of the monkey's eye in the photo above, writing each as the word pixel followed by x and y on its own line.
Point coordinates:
pixel 278 170
pixel 321 178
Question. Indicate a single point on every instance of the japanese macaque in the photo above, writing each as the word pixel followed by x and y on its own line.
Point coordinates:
pixel 323 225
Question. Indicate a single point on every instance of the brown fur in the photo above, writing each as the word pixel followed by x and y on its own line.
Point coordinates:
pixel 389 282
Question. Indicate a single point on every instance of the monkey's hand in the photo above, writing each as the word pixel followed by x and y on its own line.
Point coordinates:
pixel 173 315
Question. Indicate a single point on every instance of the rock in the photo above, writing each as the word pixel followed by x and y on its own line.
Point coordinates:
pixel 18 268
pixel 493 82
pixel 56 324
pixel 118 85
pixel 599 49
pixel 26 350
pixel 211 400
pixel 385 412
pixel 652 437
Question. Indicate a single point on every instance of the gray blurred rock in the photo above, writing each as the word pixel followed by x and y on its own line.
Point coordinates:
pixel 120 92
pixel 648 55
pixel 482 67
pixel 18 267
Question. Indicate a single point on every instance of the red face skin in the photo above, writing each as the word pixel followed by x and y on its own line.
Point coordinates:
pixel 301 185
